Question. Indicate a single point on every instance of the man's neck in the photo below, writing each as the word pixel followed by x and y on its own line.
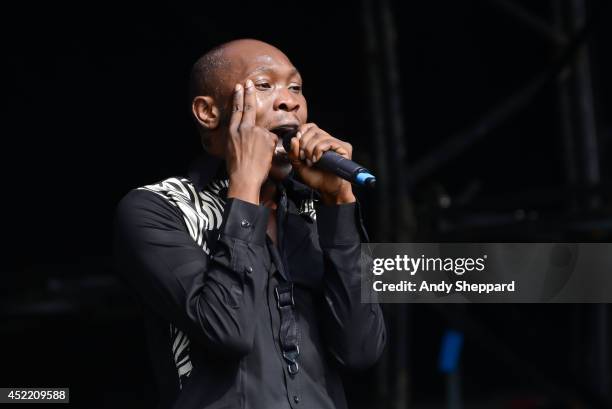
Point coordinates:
pixel 268 195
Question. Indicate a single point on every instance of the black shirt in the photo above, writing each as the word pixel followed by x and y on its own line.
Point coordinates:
pixel 208 276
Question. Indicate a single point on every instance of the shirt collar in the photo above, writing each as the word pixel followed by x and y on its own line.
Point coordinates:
pixel 206 168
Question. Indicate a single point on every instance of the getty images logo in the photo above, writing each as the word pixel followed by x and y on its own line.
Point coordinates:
pixel 412 265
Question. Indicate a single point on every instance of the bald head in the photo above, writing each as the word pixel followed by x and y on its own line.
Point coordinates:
pixel 213 69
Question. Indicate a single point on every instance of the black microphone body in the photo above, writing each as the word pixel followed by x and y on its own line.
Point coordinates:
pixel 334 163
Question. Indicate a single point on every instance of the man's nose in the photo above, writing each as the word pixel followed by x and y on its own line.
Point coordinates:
pixel 286 101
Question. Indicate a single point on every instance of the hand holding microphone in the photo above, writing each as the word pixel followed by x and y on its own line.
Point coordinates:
pixel 324 162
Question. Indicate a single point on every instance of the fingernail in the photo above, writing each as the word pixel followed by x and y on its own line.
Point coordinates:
pixel 302 154
pixel 249 83
pixel 237 87
pixel 298 135
pixel 308 162
pixel 314 158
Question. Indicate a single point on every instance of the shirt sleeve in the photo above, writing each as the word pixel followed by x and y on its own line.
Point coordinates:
pixel 211 298
pixel 354 331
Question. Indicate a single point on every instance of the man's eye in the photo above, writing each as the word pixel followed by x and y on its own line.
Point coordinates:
pixel 296 88
pixel 263 85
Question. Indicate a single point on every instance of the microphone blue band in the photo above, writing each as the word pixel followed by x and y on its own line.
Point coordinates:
pixel 365 178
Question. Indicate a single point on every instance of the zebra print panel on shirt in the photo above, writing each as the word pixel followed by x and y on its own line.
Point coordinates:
pixel 202 212
pixel 180 352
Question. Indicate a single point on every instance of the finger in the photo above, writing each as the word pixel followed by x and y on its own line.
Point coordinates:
pixel 300 152
pixel 306 127
pixel 294 153
pixel 335 146
pixel 330 144
pixel 273 139
pixel 237 105
pixel 349 149
pixel 294 147
pixel 307 133
pixel 320 148
pixel 248 116
pixel 315 139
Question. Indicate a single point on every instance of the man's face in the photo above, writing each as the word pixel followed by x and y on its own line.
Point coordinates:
pixel 278 88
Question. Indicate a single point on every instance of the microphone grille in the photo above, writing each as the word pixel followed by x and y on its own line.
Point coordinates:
pixel 286 134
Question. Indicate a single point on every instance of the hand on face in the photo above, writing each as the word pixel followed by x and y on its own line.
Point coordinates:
pixel 249 147
pixel 306 149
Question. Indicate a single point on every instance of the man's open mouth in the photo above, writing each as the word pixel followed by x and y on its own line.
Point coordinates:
pixel 283 132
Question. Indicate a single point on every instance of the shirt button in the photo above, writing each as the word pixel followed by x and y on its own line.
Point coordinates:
pixel 296 399
pixel 249 269
pixel 245 223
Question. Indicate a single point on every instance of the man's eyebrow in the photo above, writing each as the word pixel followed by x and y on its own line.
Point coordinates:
pixel 292 72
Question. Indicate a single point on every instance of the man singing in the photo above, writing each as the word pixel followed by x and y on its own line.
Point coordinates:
pixel 250 279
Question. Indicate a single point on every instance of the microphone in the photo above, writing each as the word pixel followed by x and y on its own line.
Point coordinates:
pixel 332 162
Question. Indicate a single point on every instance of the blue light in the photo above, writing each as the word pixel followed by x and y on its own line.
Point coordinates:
pixel 452 341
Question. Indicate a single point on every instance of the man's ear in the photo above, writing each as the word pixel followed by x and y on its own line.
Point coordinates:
pixel 206 112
